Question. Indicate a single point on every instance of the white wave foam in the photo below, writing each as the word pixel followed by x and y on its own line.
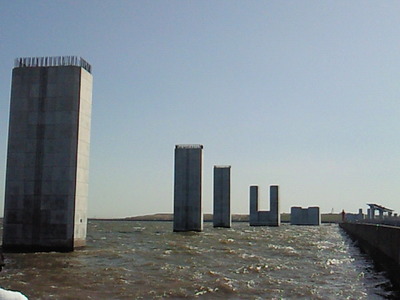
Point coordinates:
pixel 11 295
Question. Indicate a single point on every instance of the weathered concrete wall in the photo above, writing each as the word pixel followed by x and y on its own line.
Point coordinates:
pixel 265 218
pixel 47 159
pixel 222 197
pixel 188 214
pixel 83 149
pixel 381 242
pixel 378 238
pixel 305 216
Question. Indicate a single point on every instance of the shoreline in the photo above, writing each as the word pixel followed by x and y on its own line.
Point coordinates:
pixel 236 218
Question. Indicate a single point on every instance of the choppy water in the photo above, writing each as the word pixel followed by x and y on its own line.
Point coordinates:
pixel 130 260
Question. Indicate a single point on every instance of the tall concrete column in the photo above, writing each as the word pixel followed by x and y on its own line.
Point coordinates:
pixel 188 215
pixel 48 155
pixel 253 218
pixel 222 197
pixel 275 214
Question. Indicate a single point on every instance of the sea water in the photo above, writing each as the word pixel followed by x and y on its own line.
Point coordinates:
pixel 146 260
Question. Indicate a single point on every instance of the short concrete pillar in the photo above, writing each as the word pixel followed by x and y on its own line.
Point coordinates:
pixel 222 197
pixel 188 215
pixel 295 215
pixel 314 216
pixel 305 216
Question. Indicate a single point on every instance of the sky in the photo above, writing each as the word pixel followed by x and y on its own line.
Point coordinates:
pixel 303 94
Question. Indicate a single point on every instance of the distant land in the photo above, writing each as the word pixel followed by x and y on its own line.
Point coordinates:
pixel 163 217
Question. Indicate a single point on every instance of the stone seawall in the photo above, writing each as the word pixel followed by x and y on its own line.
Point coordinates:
pixel 381 243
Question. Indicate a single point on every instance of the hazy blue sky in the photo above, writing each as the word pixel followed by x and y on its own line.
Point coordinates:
pixel 304 94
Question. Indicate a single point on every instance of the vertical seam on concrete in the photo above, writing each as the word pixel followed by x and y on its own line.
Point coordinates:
pixel 187 179
pixel 201 188
pixel 228 196
pixel 6 188
pixel 76 158
pixel 221 196
pixel 213 215
pixel 40 134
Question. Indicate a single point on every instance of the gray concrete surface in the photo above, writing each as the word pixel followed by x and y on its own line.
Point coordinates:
pixel 265 218
pixel 188 215
pixel 305 216
pixel 47 159
pixel 381 242
pixel 222 197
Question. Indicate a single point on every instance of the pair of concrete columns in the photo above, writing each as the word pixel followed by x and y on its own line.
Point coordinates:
pixel 265 218
pixel 188 214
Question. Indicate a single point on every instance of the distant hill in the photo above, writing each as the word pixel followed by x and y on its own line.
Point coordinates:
pixel 285 217
pixel 169 217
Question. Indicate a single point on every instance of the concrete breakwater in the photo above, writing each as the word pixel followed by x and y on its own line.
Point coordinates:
pixel 381 242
